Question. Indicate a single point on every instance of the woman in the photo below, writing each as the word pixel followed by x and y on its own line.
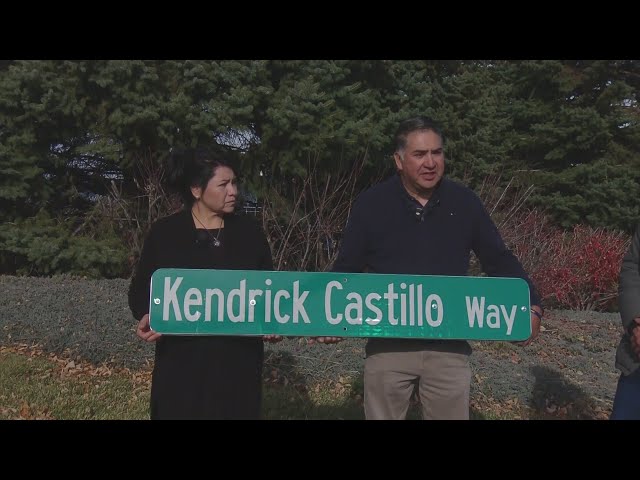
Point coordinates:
pixel 202 377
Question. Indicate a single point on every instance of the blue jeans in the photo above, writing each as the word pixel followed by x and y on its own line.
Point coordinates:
pixel 626 404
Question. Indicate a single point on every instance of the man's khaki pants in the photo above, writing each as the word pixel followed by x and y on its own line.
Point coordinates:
pixel 443 380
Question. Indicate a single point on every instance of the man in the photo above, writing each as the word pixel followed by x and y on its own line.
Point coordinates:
pixel 420 223
pixel 626 404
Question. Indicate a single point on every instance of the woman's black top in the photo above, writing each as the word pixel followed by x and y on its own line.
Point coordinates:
pixel 202 377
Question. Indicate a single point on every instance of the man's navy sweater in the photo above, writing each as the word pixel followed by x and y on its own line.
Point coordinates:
pixel 390 232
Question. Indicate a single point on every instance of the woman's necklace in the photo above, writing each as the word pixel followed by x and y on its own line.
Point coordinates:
pixel 216 239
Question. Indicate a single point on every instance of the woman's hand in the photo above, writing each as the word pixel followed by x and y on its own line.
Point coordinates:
pixel 312 340
pixel 144 330
pixel 272 338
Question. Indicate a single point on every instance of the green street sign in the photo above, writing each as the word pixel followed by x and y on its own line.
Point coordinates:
pixel 247 302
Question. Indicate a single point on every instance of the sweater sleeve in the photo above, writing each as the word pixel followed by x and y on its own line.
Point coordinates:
pixel 352 252
pixel 496 259
pixel 629 286
pixel 141 280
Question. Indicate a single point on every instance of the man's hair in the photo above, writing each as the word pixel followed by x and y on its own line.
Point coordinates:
pixel 415 124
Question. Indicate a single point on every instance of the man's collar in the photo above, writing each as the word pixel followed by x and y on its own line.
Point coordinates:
pixel 435 195
pixel 412 205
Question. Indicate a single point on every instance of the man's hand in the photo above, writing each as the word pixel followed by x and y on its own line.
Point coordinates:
pixel 535 325
pixel 312 340
pixel 144 330
pixel 635 337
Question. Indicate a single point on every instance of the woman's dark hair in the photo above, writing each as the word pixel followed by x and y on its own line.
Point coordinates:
pixel 412 125
pixel 194 167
